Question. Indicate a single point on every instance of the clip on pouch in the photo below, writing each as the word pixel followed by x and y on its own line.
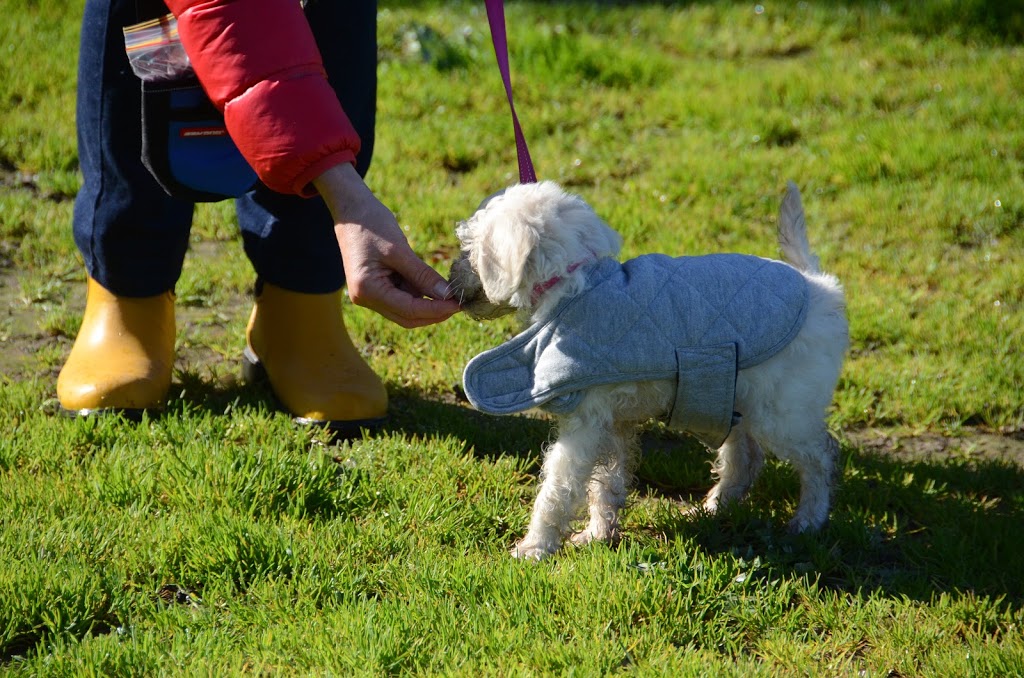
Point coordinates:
pixel 185 144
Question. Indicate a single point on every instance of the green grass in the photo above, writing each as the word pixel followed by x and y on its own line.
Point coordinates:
pixel 218 539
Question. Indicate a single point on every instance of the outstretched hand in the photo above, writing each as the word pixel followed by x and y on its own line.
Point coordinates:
pixel 382 272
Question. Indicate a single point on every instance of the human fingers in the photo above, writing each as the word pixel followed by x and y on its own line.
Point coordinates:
pixel 386 276
pixel 407 309
pixel 417 277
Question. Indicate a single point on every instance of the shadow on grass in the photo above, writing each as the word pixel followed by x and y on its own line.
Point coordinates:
pixel 904 528
pixel 410 414
pixel 25 644
pixel 487 435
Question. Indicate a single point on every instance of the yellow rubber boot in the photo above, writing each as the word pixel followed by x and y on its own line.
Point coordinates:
pixel 299 343
pixel 123 355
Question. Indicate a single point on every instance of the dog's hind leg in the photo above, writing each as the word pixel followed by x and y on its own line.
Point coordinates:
pixel 607 491
pixel 739 462
pixel 816 462
pixel 569 464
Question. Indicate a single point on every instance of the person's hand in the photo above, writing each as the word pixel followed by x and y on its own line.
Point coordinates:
pixel 381 270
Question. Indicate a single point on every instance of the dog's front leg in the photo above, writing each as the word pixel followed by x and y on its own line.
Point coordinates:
pixel 568 465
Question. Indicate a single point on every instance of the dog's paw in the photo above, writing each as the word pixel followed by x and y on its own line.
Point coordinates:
pixel 589 536
pixel 701 510
pixel 582 538
pixel 803 525
pixel 532 551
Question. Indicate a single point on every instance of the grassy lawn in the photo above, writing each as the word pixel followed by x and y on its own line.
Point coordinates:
pixel 219 539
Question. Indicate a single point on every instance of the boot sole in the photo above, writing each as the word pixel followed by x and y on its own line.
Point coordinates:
pixel 253 372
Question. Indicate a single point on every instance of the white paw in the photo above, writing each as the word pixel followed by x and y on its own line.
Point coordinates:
pixel 707 508
pixel 532 551
pixel 582 538
pixel 604 534
pixel 802 524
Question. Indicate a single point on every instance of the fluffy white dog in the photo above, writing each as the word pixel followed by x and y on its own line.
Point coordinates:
pixel 741 351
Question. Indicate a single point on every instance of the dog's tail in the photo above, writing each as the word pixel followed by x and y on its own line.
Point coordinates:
pixel 793 232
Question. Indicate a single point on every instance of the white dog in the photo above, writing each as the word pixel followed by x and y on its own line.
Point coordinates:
pixel 741 351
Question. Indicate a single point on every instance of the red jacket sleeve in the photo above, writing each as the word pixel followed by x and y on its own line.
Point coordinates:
pixel 259 64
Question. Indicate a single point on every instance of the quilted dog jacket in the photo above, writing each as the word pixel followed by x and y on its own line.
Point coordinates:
pixel 698 320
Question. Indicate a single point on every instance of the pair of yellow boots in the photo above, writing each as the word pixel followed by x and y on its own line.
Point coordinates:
pixel 124 354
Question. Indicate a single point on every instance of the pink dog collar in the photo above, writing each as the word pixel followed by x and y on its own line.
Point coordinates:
pixel 540 288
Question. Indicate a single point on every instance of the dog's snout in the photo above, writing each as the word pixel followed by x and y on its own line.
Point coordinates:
pixel 467 289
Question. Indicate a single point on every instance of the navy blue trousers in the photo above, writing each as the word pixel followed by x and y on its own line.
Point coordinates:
pixel 132 235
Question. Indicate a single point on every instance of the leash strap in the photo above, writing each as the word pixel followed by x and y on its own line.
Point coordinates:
pixel 496 19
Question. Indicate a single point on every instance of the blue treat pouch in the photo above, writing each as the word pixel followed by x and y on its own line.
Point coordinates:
pixel 185 144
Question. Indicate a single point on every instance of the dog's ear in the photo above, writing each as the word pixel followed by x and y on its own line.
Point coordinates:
pixel 502 256
pixel 603 240
pixel 590 232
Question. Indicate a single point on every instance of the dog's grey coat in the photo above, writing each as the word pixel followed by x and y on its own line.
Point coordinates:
pixel 695 319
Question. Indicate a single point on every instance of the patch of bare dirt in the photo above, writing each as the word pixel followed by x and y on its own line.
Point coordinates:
pixel 23 335
pixel 20 333
pixel 971 444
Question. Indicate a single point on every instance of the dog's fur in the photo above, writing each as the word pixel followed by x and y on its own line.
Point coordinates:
pixel 523 238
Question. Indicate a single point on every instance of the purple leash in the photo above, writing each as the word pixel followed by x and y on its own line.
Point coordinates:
pixel 496 18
